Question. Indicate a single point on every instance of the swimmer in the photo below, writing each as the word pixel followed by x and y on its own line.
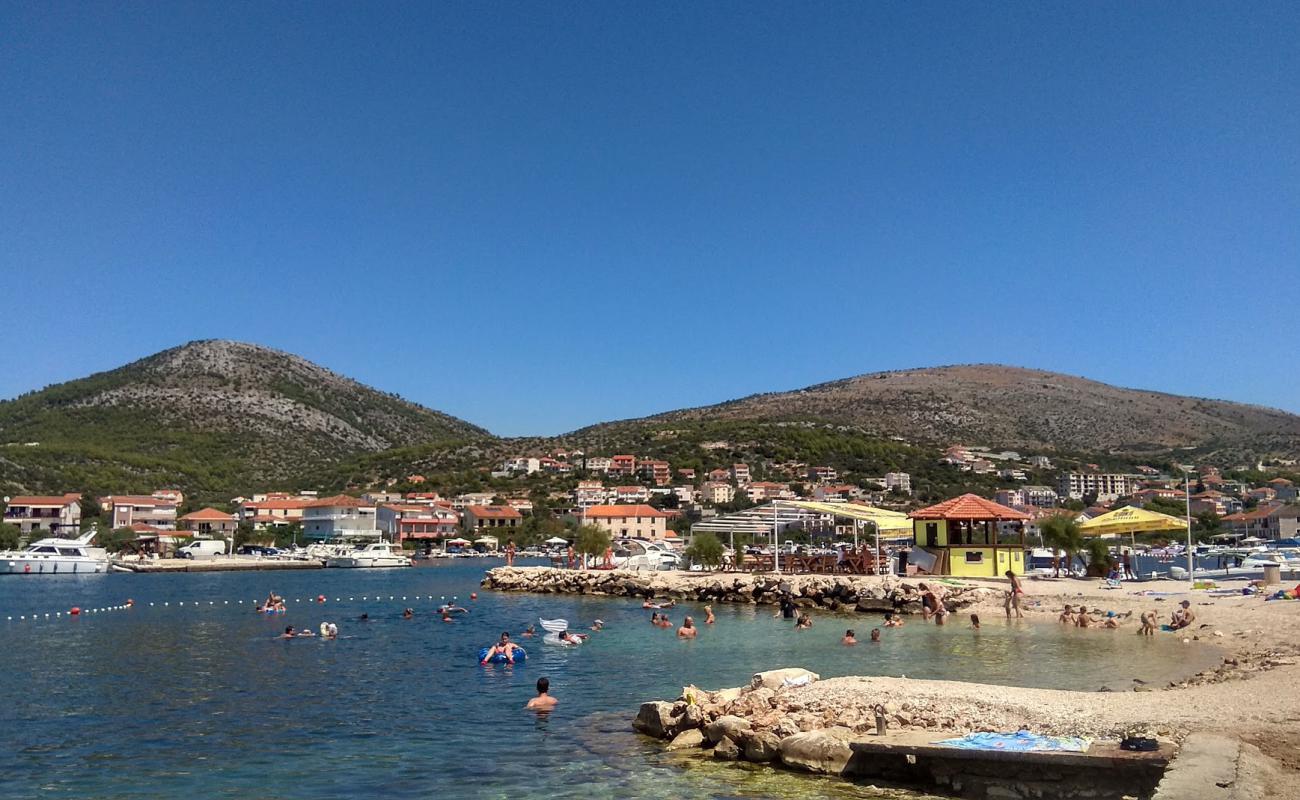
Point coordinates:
pixel 1067 616
pixel 1082 619
pixel 447 617
pixel 875 635
pixel 543 701
pixel 803 623
pixel 451 609
pixel 708 615
pixel 687 631
pixel 363 618
pixel 893 620
pixel 503 647
pixel 664 622
pixel 975 621
pixel 848 638
pixel 530 631
pixel 571 638
pixel 598 625
pixel 654 619
pixel 408 614
pixel 288 632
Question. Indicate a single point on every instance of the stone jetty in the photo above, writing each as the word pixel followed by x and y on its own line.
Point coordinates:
pixel 861 593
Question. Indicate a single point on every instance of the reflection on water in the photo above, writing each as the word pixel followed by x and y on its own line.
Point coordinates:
pixel 161 702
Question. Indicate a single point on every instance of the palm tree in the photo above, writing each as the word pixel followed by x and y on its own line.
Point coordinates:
pixel 1061 533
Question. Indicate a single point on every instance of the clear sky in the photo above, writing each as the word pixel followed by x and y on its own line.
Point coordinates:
pixel 537 216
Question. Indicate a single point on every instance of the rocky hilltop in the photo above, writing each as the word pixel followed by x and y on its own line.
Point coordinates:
pixel 210 413
pixel 1014 407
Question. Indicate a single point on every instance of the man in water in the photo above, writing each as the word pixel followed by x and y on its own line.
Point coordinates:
pixel 543 701
pixel 788 607
pixel 848 639
pixel 687 631
pixel 530 631
pixel 408 614
pixel 598 625
pixel 975 621
pixel 503 647
pixel 1183 616
pixel 1067 616
pixel 875 635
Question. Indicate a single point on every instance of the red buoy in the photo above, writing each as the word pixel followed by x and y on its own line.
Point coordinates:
pixel 74 611
pixel 320 598
pixel 473 595
pixel 130 602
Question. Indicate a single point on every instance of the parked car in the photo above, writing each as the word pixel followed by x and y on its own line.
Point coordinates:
pixel 202 548
pixel 258 550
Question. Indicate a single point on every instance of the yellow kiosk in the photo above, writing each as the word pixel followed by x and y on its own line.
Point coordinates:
pixel 962 535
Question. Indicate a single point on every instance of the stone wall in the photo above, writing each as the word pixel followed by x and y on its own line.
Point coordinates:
pixel 866 594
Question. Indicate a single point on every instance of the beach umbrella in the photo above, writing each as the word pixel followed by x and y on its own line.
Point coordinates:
pixel 1131 520
pixel 556 540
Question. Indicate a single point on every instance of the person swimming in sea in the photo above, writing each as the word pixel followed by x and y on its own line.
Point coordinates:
pixel 565 637
pixel 1067 615
pixel 598 625
pixel 408 614
pixel 893 620
pixel 875 635
pixel 708 615
pixel 848 638
pixel 1082 619
pixel 687 631
pixel 290 633
pixel 530 631
pixel 543 702
pixel 975 621
pixel 803 623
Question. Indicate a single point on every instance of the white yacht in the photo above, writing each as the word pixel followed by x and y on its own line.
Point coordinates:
pixel 643 554
pixel 375 554
pixel 56 556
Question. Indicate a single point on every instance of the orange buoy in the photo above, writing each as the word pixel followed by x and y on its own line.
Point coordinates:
pixel 130 602
pixel 74 611
pixel 320 598
pixel 473 595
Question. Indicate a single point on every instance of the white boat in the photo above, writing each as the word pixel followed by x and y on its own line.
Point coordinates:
pixel 373 555
pixel 1285 557
pixel 643 554
pixel 56 556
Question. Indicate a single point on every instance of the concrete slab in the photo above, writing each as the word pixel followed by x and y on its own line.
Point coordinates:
pixel 1205 769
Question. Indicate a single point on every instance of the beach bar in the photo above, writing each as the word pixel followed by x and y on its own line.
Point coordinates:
pixel 961 535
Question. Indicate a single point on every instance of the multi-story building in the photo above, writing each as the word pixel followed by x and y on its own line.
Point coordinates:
pixel 843 491
pixel 1285 489
pixel 687 473
pixel 719 475
pixel 631 494
pixel 629 521
pixel 1215 503
pixel 823 474
pixel 405 521
pixel 590 493
pixel 1012 498
pixel 58 514
pixel 599 464
pixel 716 493
pixel 463 501
pixel 340 517
pixel 273 511
pixel 210 522
pixel 1039 496
pixel 491 519
pixel 125 510
pixel 521 464
pixel 622 465
pixel 686 494
pixel 1270 522
pixel 1040 462
pixel 899 482
pixel 1107 486
pixel 1012 474
pixel 740 474
pixel 762 491
pixel 657 472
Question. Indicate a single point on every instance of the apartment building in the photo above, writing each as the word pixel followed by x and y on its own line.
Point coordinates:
pixel 340 517
pixel 406 521
pixel 762 491
pixel 125 510
pixel 630 494
pixel 622 465
pixel 491 518
pixel 740 474
pixel 716 493
pixel 629 521
pixel 657 472
pixel 273 511
pixel 210 522
pixel 823 474
pixel 599 464
pixel 1107 486
pixel 58 514
pixel 590 493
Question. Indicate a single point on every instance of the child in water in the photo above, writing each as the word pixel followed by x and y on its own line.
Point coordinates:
pixel 848 638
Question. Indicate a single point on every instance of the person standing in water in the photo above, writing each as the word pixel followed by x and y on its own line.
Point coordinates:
pixel 543 701
pixel 687 631
pixel 709 619
pixel 848 639
pixel 1014 595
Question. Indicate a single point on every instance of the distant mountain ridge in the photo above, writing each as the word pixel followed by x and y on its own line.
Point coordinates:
pixel 1012 406
pixel 212 411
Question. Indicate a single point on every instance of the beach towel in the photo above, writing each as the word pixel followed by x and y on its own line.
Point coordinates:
pixel 1019 742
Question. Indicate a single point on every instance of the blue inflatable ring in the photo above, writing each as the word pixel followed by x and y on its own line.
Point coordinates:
pixel 520 656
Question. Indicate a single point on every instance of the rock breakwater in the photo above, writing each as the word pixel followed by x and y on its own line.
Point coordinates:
pixel 866 594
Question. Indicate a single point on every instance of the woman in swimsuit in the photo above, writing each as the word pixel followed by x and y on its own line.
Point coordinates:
pixel 1014 595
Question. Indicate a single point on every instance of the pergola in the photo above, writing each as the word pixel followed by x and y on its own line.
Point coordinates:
pixel 962 535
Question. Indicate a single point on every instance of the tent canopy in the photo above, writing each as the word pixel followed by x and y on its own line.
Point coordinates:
pixel 1131 519
pixel 884 519
pixel 556 540
pixel 458 541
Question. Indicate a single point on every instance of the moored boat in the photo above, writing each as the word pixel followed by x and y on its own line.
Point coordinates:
pixel 373 555
pixel 56 556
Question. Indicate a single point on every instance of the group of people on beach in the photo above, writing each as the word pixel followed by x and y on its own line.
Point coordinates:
pixel 1148 622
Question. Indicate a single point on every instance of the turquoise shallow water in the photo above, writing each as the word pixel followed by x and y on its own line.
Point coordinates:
pixel 203 700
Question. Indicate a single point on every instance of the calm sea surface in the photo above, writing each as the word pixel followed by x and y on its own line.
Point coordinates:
pixel 201 700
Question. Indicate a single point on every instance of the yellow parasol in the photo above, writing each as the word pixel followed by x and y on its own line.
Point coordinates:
pixel 1131 519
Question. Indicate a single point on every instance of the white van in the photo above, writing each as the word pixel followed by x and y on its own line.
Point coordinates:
pixel 202 548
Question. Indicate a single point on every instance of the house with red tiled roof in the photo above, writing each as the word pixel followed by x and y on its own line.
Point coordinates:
pixel 125 510
pixel 961 537
pixel 622 465
pixel 273 511
pixel 59 514
pixel 1286 490
pixel 637 521
pixel 402 521
pixel 630 494
pixel 482 518
pixel 1270 522
pixel 210 522
pixel 341 517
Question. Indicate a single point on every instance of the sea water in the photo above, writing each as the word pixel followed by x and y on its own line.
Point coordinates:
pixel 202 700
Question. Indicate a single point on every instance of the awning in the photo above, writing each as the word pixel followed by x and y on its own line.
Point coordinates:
pixel 1131 519
pixel 458 541
pixel 884 519
pixel 556 540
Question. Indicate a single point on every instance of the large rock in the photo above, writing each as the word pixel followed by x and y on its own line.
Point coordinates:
pixel 729 726
pixel 657 719
pixel 687 739
pixel 825 751
pixel 778 678
pixel 727 749
pixel 761 746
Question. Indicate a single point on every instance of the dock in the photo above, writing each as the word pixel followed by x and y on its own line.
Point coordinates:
pixel 218 564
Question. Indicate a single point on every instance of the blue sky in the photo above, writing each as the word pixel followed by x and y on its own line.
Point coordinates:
pixel 538 216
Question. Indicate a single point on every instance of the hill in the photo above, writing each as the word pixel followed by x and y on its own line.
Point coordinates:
pixel 1001 406
pixel 211 415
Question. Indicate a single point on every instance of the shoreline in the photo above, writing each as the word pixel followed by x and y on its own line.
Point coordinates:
pixel 1249 699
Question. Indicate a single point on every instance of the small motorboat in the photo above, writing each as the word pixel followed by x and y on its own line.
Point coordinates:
pixel 56 556
pixel 371 556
